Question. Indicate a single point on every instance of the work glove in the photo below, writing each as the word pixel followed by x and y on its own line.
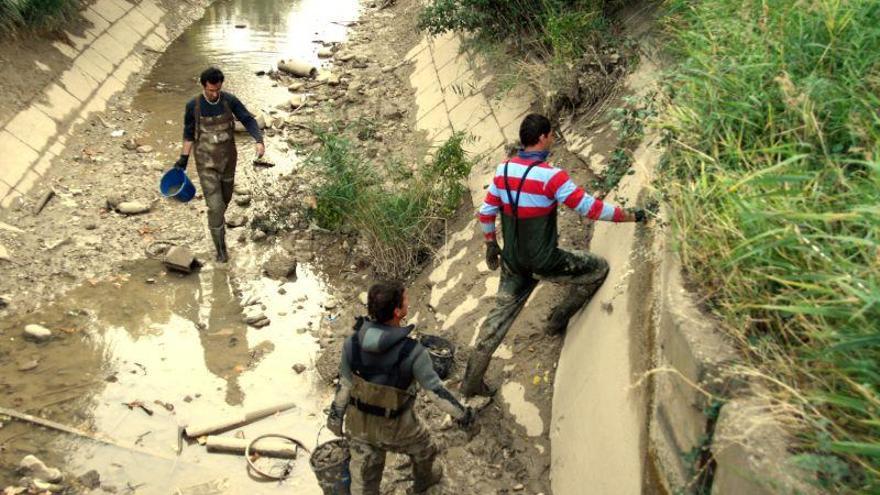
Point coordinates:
pixel 334 421
pixel 641 215
pixel 467 421
pixel 493 254
pixel 182 162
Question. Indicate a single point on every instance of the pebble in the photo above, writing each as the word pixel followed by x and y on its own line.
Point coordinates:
pixel 362 297
pixel 27 366
pixel 280 266
pixel 243 200
pixel 37 332
pixel 258 235
pixel 33 466
pixel 145 148
pixel 91 226
pixel 299 368
pixel 325 53
pixel 330 304
pixel 236 220
pixel 518 487
pixel 133 207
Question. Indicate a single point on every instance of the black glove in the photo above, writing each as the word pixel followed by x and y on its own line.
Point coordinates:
pixel 181 162
pixel 334 421
pixel 466 421
pixel 641 215
pixel 493 254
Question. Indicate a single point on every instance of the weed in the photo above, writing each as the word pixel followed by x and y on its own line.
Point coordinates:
pixel 16 15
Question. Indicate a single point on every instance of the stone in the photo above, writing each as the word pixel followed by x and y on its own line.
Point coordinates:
pixel 4 253
pixel 344 56
pixel 297 101
pixel 258 236
pixel 362 297
pixel 236 220
pixel 241 189
pixel 299 368
pixel 261 323
pixel 253 314
pixel 280 266
pixel 389 110
pixel 113 200
pixel 91 226
pixel 518 487
pixel 295 87
pixel 330 303
pixel 243 200
pixel 90 480
pixel 179 258
pixel 29 365
pixel 38 333
pixel 133 207
pixel 387 68
pixel 325 52
pixel 144 148
pixel 130 144
pixel 34 467
pixel 333 80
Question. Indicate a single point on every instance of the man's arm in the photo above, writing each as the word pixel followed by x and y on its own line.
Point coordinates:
pixel 489 212
pixel 245 117
pixel 189 134
pixel 561 188
pixel 343 395
pixel 423 371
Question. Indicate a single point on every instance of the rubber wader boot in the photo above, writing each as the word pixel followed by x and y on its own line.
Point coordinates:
pixel 576 299
pixel 425 475
pixel 218 235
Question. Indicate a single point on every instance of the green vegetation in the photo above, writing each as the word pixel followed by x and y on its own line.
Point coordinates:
pixel 400 215
pixel 17 15
pixel 773 179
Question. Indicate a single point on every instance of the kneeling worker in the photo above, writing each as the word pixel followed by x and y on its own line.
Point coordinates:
pixel 209 127
pixel 380 364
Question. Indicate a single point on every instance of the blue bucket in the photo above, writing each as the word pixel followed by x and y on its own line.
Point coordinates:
pixel 175 184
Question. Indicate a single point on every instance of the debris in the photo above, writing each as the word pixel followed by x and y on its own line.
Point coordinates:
pixel 133 207
pixel 280 266
pixel 34 467
pixel 144 148
pixel 136 403
pixel 214 426
pixel 90 480
pixel 299 368
pixel 44 199
pixel 259 162
pixel 236 220
pixel 167 405
pixel 240 26
pixel 362 297
pixel 36 332
pixel 57 243
pixel 10 228
pixel 180 259
pixel 297 68
pixel 29 365
pixel 118 133
pixel 283 449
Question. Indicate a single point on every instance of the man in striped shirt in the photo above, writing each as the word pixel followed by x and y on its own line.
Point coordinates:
pixel 526 190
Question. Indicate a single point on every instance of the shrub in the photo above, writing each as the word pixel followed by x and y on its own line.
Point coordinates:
pixel 773 175
pixel 16 15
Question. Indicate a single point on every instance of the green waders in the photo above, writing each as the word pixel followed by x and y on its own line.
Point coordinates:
pixel 379 419
pixel 216 156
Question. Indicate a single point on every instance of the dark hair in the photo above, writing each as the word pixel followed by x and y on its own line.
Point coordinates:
pixel 383 298
pixel 532 128
pixel 211 75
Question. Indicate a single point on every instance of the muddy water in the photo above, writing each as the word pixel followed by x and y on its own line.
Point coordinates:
pixel 178 345
pixel 272 30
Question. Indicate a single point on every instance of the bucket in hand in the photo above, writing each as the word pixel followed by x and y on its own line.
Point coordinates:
pixel 329 462
pixel 175 184
pixel 442 353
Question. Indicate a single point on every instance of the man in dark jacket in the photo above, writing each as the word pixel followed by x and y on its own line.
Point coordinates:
pixel 208 127
pixel 527 190
pixel 377 388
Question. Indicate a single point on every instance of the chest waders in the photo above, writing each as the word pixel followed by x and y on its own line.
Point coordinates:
pixel 216 156
pixel 380 418
pixel 513 250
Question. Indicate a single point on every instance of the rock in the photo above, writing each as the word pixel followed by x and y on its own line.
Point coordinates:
pixel 117 133
pixel 330 303
pixel 236 220
pixel 387 68
pixel 179 258
pixel 325 52
pixel 299 368
pixel 133 207
pixel 144 148
pixel 90 480
pixel 390 111
pixel 242 189
pixel 4 253
pixel 362 297
pixel 297 86
pixel 297 101
pixel 243 200
pixel 518 487
pixel 280 266
pixel 333 80
pixel 130 144
pixel 91 226
pixel 258 236
pixel 344 56
pixel 253 314
pixel 113 200
pixel 29 365
pixel 4 300
pixel 261 323
pixel 38 333
pixel 34 467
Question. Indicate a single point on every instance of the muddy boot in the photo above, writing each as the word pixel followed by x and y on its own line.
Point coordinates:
pixel 473 382
pixel 425 475
pixel 577 298
pixel 218 235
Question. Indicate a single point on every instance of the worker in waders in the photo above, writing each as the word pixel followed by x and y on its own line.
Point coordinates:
pixel 208 127
pixel 527 189
pixel 377 375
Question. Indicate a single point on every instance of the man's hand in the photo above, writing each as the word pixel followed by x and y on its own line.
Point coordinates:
pixel 261 150
pixel 466 421
pixel 640 215
pixel 334 422
pixel 181 162
pixel 493 254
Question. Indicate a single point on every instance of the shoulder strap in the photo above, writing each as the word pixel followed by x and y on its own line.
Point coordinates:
pixel 226 107
pixel 398 378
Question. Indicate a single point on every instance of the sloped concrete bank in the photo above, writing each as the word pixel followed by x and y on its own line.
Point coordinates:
pixel 114 43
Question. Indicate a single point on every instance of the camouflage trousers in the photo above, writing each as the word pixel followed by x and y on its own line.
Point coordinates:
pixel 585 271
pixel 217 188
pixel 371 437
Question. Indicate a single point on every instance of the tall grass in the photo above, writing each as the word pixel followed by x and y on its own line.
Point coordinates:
pixel 400 218
pixel 18 15
pixel 773 176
